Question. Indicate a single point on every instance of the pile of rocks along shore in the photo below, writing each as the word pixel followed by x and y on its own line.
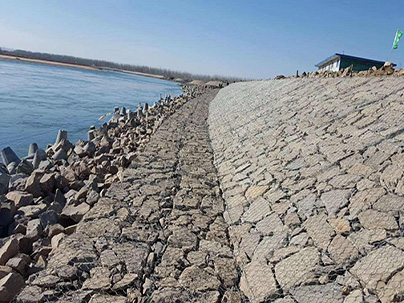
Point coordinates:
pixel 44 196
pixel 386 70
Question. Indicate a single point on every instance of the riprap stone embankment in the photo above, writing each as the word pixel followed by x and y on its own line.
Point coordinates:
pixel 312 176
pixel 158 235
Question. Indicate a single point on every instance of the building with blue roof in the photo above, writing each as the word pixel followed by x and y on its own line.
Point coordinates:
pixel 337 62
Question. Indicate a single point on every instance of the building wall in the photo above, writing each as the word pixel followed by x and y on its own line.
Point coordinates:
pixel 331 66
pixel 358 65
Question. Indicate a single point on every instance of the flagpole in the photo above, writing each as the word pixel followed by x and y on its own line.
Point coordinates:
pixel 391 51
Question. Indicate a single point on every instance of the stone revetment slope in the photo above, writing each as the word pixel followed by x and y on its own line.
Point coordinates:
pixel 312 174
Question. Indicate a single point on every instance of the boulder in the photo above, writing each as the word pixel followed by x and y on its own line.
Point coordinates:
pixel 18 264
pixel 53 230
pixel 40 155
pixel 17 182
pixel 82 193
pixel 258 282
pixel 24 167
pixel 10 286
pixel 7 210
pixel 20 198
pixel 47 183
pixel 198 279
pixel 348 71
pixel 298 268
pixel 12 167
pixel 9 250
pixel 33 147
pixel 387 68
pixel 74 213
pixel 62 135
pixel 79 149
pixel 56 240
pixel 3 168
pixel 99 279
pixel 4 271
pixel 92 197
pixel 378 266
pixel 89 148
pixel 60 155
pixel 48 217
pixel 32 185
pixel 31 294
pixel 45 165
pixel 32 211
pixel 4 181
pixel 8 156
pixel 34 229
pixel 59 202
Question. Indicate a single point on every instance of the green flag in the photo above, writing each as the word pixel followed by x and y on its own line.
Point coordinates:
pixel 397 38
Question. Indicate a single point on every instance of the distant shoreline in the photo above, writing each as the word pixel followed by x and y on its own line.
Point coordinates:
pixel 55 63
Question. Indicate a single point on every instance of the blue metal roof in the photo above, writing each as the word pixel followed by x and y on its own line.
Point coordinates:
pixel 347 56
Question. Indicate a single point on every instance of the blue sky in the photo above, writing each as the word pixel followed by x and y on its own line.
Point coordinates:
pixel 252 39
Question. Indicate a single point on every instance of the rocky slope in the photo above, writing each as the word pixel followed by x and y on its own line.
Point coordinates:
pixel 312 176
pixel 155 232
pixel 44 196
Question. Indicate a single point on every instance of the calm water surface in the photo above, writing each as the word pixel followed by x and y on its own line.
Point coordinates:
pixel 38 100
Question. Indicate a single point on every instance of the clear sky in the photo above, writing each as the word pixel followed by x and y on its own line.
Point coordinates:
pixel 252 39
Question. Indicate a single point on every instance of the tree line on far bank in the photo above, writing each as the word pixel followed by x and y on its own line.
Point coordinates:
pixel 167 73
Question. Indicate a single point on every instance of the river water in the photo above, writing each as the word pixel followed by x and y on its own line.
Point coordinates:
pixel 37 100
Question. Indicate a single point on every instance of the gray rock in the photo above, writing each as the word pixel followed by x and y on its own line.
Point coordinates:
pixel 258 282
pixel 9 250
pixel 342 250
pixel 319 230
pixel 59 202
pixel 45 165
pixel 334 200
pixel 331 293
pixel 225 268
pixel 18 264
pixel 24 167
pixel 31 294
pixel 48 217
pixel 32 211
pixel 99 279
pixel 74 213
pixel 17 182
pixel 198 279
pixel 378 266
pixel 32 184
pixel 5 270
pixel 8 156
pixel 258 210
pixel 20 198
pixel 372 219
pixel 7 210
pixel 127 281
pixel 298 268
pixel 97 298
pixel 53 230
pixel 47 183
pixel 60 155
pixel 45 280
pixel 40 155
pixel 10 286
pixel 4 182
pixel 89 148
pixel 12 168
pixel 62 135
pixel 34 229
pixel 33 147
pixel 3 168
